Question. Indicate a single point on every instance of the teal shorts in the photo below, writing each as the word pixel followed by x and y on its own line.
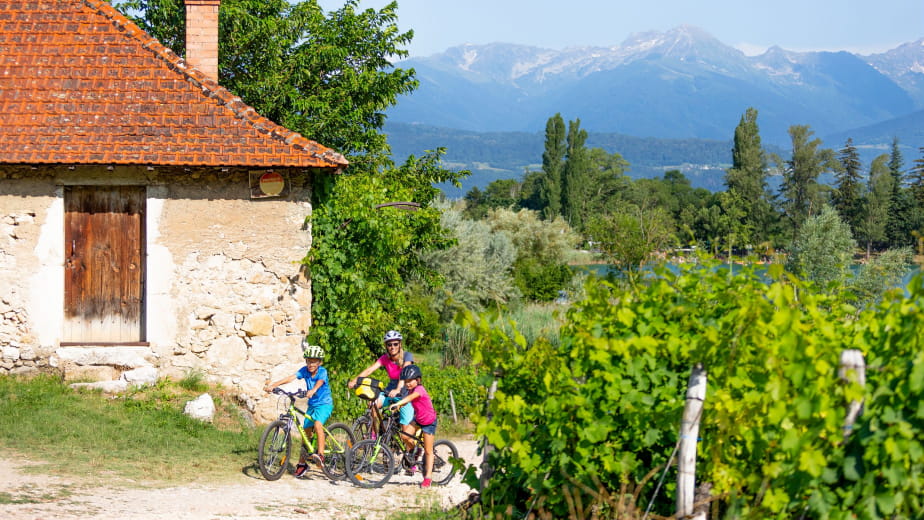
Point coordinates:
pixel 406 411
pixel 320 413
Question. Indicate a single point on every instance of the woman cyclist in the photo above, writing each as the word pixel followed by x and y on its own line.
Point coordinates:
pixel 394 359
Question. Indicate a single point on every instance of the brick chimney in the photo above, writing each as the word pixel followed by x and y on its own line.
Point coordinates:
pixel 202 36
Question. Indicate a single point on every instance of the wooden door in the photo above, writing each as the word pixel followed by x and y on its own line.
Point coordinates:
pixel 104 266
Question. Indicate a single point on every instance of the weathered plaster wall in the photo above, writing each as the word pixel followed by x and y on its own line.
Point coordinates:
pixel 27 208
pixel 225 292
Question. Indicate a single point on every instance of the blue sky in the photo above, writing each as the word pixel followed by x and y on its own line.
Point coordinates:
pixel 862 26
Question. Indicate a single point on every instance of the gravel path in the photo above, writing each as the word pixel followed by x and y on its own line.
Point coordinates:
pixel 26 494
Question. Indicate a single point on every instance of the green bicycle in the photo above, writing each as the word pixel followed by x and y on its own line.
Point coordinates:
pixel 276 442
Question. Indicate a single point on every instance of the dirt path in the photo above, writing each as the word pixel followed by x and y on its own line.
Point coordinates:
pixel 28 495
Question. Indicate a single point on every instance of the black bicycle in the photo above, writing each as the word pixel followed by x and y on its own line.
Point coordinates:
pixel 372 462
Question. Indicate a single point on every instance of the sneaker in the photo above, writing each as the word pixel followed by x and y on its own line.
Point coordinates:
pixel 317 459
pixel 373 435
pixel 410 471
pixel 426 483
pixel 300 469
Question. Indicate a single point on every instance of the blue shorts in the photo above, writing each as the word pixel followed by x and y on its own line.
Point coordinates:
pixel 320 413
pixel 430 428
pixel 406 411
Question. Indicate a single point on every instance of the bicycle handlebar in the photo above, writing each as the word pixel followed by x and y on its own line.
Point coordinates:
pixel 300 394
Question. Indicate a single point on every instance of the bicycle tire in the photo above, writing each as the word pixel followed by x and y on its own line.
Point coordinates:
pixel 340 441
pixel 274 450
pixel 443 468
pixel 362 427
pixel 370 464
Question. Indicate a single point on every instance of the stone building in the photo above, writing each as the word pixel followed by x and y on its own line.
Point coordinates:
pixel 151 224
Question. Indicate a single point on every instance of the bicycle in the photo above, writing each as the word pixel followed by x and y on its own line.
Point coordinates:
pixel 371 462
pixel 276 442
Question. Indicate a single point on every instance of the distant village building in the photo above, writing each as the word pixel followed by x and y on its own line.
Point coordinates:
pixel 149 220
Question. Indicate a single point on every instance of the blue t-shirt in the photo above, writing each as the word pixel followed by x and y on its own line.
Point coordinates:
pixel 322 396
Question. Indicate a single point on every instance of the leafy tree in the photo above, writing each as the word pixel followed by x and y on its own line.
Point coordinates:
pixel 541 267
pixel 628 236
pixel 477 271
pixel 502 193
pixel 716 227
pixel 847 194
pixel 552 163
pixel 801 192
pixel 474 203
pixel 748 201
pixel 329 77
pixel 881 273
pixel 531 191
pixel 823 249
pixel 363 256
pixel 606 182
pixel 575 175
pixel 872 228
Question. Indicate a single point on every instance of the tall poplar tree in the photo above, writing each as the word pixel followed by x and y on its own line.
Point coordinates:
pixel 872 228
pixel 552 162
pixel 748 200
pixel 575 176
pixel 801 192
pixel 848 185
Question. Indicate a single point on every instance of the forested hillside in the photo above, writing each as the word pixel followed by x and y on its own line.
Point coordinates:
pixel 506 155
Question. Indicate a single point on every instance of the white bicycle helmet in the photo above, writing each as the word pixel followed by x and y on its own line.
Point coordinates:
pixel 392 335
pixel 312 351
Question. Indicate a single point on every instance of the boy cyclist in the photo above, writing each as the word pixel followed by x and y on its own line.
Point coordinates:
pixel 424 418
pixel 320 402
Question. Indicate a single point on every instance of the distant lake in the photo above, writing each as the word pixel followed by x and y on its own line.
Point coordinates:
pixel 602 269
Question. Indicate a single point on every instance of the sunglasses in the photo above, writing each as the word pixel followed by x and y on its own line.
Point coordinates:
pixel 393 344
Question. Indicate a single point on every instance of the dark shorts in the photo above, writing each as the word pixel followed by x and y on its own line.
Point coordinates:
pixel 430 428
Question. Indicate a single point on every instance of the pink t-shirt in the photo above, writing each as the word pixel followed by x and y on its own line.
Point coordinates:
pixel 393 369
pixel 424 413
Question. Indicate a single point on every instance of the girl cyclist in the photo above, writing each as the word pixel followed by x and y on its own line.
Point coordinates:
pixel 424 418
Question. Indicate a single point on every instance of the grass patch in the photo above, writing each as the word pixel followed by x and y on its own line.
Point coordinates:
pixel 30 495
pixel 139 435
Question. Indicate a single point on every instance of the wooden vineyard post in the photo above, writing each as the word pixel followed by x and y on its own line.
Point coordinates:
pixel 852 368
pixel 452 402
pixel 689 432
pixel 486 470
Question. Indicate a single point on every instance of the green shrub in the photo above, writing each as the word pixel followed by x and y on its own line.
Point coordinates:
pixel 539 281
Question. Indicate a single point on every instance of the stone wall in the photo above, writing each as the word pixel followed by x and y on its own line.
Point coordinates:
pixel 225 294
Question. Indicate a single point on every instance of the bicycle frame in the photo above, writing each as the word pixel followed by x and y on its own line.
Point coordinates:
pixel 297 417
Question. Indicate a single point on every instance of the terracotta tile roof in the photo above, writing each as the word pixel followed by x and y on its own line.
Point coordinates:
pixel 81 84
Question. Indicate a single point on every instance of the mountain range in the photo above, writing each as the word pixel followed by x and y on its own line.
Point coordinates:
pixel 681 84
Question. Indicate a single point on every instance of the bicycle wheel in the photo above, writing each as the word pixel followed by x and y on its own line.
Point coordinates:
pixel 274 448
pixel 370 464
pixel 362 427
pixel 443 468
pixel 339 441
